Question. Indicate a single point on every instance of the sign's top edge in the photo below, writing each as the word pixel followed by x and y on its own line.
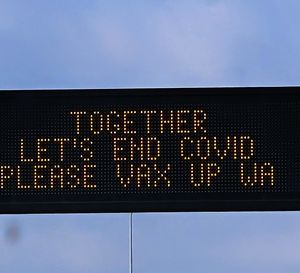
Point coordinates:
pixel 157 88
pixel 151 91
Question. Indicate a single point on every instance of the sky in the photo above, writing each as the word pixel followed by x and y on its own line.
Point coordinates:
pixel 153 43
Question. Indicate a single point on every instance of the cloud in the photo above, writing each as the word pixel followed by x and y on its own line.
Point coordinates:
pixel 152 43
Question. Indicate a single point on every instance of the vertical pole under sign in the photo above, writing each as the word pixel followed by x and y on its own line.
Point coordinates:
pixel 130 243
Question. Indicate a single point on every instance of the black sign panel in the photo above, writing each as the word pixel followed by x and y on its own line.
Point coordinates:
pixel 199 149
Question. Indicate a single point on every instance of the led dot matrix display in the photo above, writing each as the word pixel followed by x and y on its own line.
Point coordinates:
pixel 196 149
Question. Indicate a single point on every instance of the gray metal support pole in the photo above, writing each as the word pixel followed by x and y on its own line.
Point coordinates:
pixel 130 243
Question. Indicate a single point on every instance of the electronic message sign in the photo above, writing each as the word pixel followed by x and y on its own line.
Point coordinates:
pixel 139 150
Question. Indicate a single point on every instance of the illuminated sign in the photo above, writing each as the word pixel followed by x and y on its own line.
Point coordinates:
pixel 198 149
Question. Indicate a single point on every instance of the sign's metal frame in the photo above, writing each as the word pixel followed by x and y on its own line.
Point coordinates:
pixel 259 204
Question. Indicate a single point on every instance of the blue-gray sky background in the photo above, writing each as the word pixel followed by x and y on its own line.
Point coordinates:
pixel 116 43
pixel 65 43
